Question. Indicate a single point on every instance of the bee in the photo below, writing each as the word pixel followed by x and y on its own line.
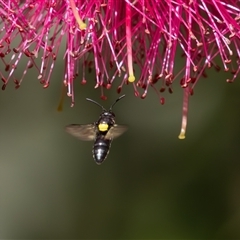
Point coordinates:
pixel 102 132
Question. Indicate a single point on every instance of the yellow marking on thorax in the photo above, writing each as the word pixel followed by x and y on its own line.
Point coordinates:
pixel 103 127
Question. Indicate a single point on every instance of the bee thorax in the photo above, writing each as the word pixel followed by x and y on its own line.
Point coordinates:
pixel 103 127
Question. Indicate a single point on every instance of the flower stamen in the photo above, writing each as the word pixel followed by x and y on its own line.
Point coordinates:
pixel 184 113
pixel 82 25
pixel 131 77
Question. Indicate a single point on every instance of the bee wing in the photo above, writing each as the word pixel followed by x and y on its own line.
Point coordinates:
pixel 116 131
pixel 83 132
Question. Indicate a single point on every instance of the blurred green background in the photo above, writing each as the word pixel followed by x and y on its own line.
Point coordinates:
pixel 152 184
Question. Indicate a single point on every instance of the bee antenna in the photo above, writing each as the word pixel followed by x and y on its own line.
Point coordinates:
pixel 90 100
pixel 116 101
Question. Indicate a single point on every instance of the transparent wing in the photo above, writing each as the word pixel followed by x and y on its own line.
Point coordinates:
pixel 116 131
pixel 83 132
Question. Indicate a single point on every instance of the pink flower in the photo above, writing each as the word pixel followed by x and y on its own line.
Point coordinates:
pixel 115 38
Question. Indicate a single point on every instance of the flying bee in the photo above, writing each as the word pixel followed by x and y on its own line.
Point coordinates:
pixel 102 132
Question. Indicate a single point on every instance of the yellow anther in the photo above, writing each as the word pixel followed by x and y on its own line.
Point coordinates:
pixel 182 134
pixel 131 78
pixel 82 25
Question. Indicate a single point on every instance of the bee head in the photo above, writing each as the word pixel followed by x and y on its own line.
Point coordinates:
pixel 108 114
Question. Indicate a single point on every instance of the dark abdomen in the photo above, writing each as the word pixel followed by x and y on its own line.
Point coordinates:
pixel 101 149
